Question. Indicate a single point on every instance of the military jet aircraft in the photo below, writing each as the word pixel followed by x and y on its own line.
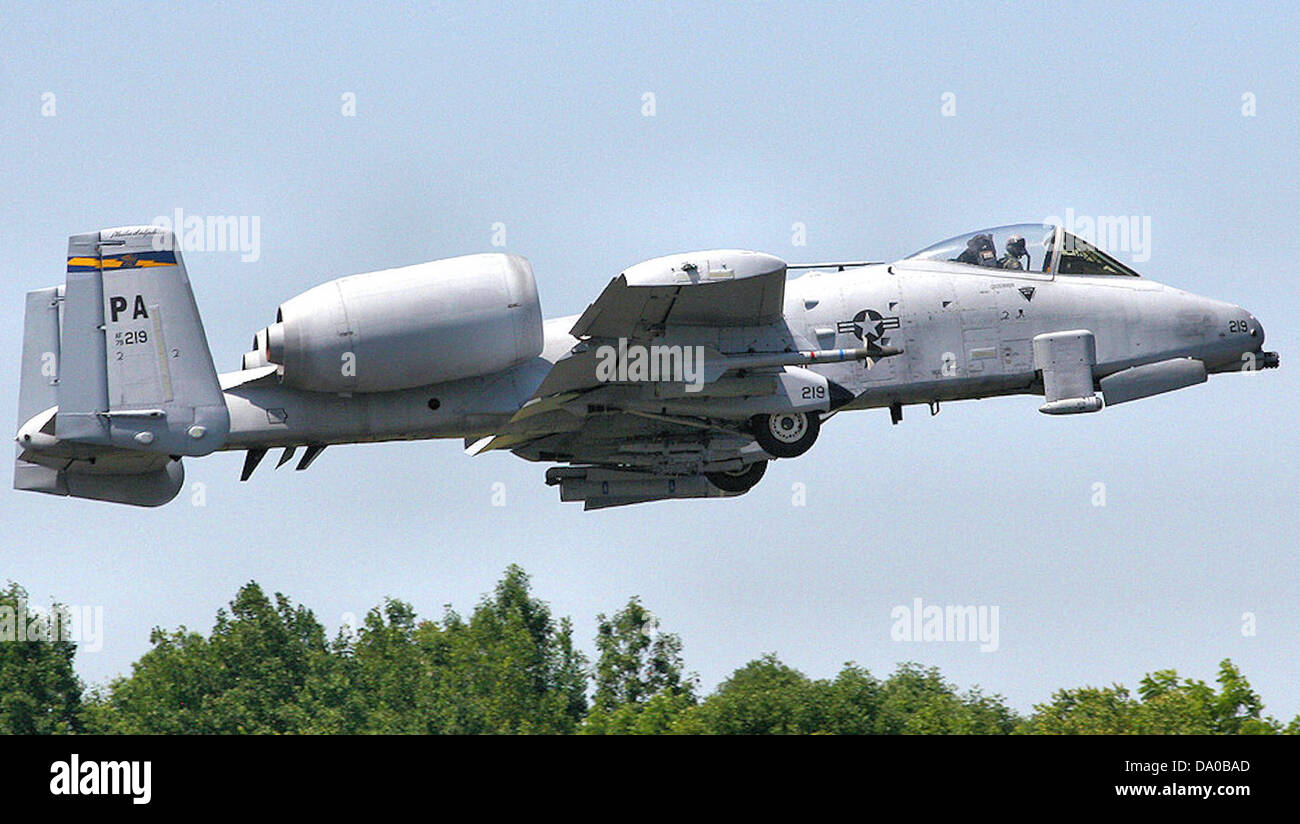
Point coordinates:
pixel 685 377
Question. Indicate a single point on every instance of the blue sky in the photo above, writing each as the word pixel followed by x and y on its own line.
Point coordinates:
pixel 766 115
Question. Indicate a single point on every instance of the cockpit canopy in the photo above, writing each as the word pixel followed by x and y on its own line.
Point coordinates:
pixel 1026 247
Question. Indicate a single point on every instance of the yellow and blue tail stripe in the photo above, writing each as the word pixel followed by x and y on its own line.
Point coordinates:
pixel 125 260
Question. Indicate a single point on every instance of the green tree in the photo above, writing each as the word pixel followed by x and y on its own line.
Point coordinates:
pixel 1084 711
pixel 764 697
pixel 849 704
pixel 266 668
pixel 1165 705
pixel 636 661
pixel 768 697
pixel 640 685
pixel 333 701
pixel 39 691
pixel 1237 708
pixel 380 679
pixel 510 668
pixel 248 677
pixel 915 700
pixel 660 714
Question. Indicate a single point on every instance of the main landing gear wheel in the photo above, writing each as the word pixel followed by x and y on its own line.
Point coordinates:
pixel 786 434
pixel 742 480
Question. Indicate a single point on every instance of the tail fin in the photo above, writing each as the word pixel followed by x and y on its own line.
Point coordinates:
pixel 117 378
pixel 136 370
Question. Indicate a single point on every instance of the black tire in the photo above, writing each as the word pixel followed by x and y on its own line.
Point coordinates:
pixel 740 481
pixel 786 434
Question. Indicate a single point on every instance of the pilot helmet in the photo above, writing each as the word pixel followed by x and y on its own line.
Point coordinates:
pixel 1016 245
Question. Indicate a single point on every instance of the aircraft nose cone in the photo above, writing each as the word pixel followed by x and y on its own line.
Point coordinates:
pixel 1255 354
pixel 1256 330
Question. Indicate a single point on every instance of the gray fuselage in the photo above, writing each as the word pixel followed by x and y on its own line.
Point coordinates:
pixel 964 333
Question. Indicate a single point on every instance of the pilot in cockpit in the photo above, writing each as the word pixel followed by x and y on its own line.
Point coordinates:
pixel 979 251
pixel 1015 251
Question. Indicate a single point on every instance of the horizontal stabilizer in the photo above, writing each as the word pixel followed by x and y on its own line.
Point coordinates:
pixel 115 476
pixel 38 382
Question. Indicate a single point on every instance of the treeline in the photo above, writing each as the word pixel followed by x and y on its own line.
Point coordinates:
pixel 511 667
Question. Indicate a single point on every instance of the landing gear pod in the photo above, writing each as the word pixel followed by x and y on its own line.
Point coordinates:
pixel 786 434
pixel 1152 379
pixel 1066 360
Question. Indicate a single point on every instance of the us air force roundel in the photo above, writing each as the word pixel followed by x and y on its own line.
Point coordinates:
pixel 869 326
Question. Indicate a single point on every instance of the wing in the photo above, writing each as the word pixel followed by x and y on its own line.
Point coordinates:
pixel 629 439
pixel 715 288
pixel 689 295
pixel 724 299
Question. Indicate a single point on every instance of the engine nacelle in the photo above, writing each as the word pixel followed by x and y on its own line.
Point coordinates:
pixel 407 327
